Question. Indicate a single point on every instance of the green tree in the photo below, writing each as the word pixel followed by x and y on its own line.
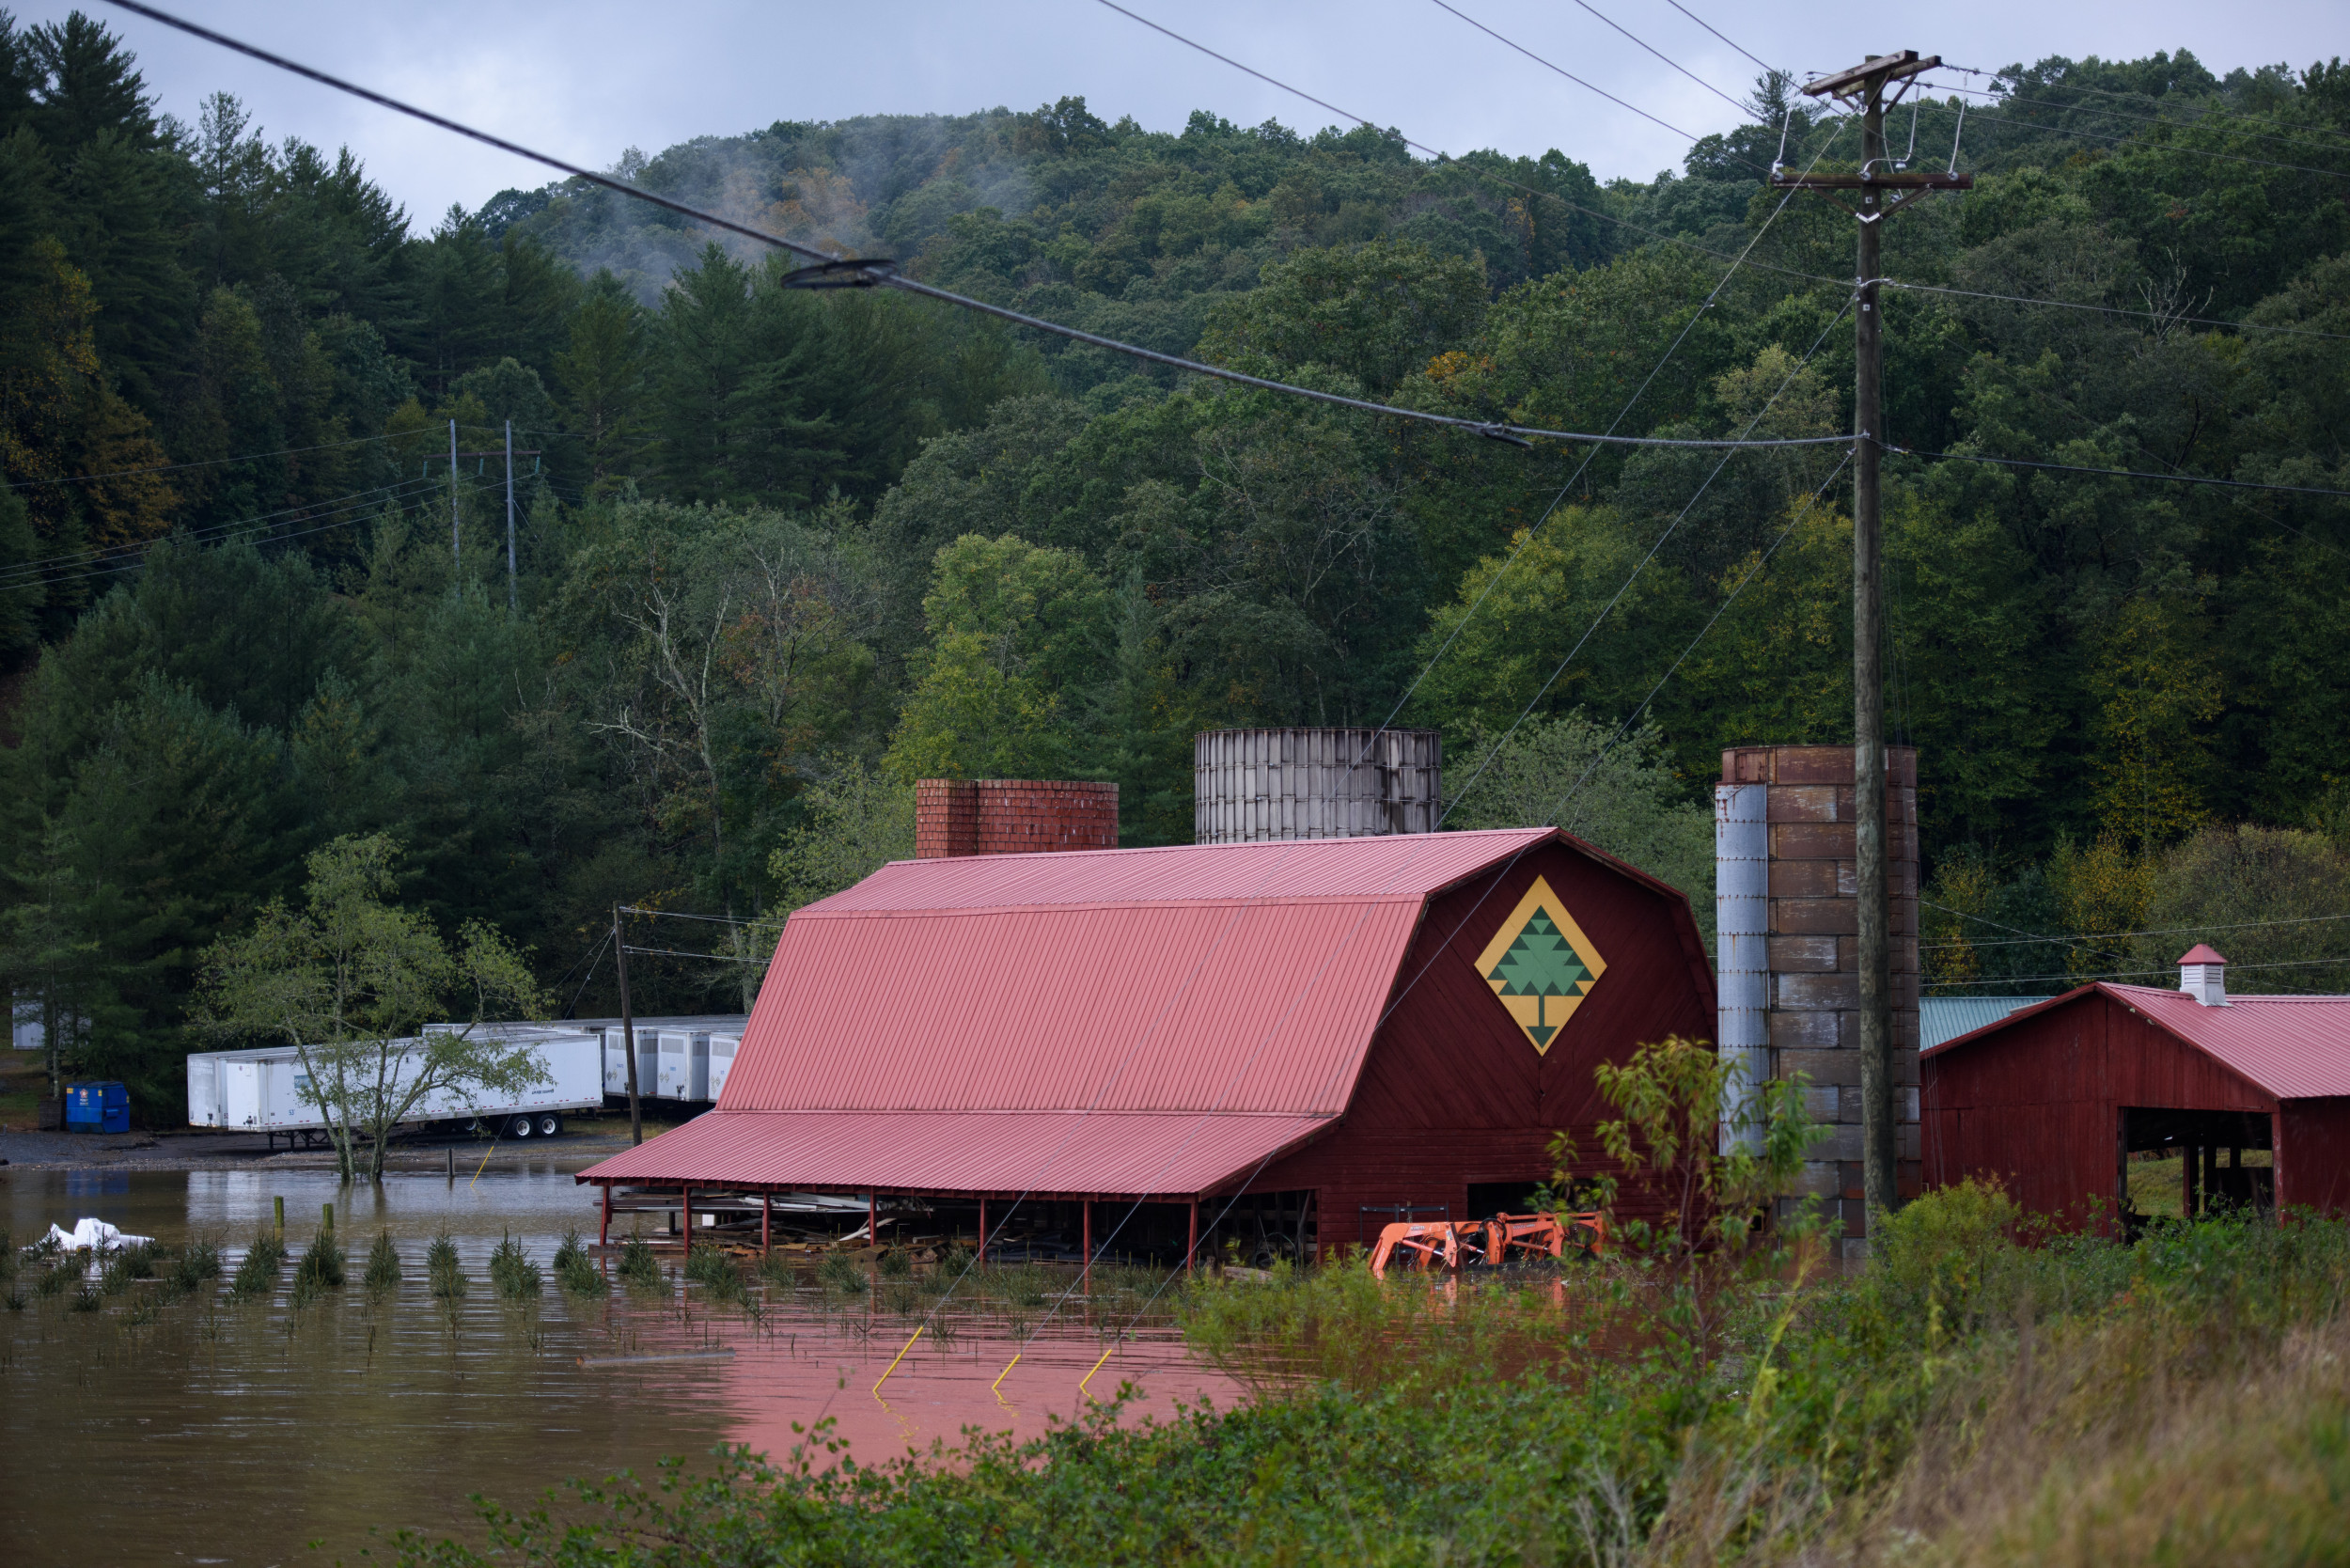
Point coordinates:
pixel 1017 632
pixel 355 983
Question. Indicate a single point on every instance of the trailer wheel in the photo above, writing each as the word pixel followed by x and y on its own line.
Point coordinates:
pixel 522 1127
pixel 550 1124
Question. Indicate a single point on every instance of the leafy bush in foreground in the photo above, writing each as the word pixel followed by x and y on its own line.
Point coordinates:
pixel 1967 1398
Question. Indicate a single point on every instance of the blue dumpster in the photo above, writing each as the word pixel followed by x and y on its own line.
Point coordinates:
pixel 103 1108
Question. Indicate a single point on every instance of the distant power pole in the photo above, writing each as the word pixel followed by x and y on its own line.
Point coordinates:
pixel 1882 188
pixel 510 517
pixel 455 538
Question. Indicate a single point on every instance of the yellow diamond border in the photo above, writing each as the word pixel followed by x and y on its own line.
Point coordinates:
pixel 1538 896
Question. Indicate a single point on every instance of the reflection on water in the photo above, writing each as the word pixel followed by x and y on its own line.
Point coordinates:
pixel 236 1434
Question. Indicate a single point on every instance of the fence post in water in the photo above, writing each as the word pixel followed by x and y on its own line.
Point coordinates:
pixel 326 1217
pixel 280 1204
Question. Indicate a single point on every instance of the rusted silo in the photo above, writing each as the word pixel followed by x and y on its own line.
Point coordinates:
pixel 1251 785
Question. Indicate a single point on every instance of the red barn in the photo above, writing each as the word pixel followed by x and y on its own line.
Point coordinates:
pixel 1302 1036
pixel 2053 1100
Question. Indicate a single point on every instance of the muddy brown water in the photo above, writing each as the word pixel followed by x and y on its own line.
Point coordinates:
pixel 240 1434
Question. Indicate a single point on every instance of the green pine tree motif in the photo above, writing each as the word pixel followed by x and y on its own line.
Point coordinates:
pixel 1541 964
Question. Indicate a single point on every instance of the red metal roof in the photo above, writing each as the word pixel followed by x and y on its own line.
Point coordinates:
pixel 1239 981
pixel 960 1154
pixel 2292 1047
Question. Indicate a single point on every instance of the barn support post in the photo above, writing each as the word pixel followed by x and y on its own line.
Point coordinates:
pixel 2186 1181
pixel 766 1220
pixel 873 1219
pixel 1086 1267
pixel 685 1218
pixel 1192 1249
pixel 2276 1161
pixel 603 1231
pixel 983 1251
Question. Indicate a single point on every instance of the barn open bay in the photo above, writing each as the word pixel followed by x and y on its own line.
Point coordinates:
pixel 203 1429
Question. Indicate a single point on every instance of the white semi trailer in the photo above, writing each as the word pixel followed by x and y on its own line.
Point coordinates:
pixel 264 1090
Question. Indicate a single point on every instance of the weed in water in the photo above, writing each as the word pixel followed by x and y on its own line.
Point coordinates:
pixel 54 1280
pixel 383 1264
pixel 776 1268
pixel 903 1296
pixel 842 1273
pixel 16 1301
pixel 511 1271
pixel 639 1268
pixel 88 1300
pixel 441 1267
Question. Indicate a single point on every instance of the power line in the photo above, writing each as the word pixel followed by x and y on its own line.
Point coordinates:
pixel 2115 472
pixel 1626 587
pixel 1444 6
pixel 202 463
pixel 1685 71
pixel 2117 935
pixel 2207 116
pixel 877 274
pixel 100 559
pixel 1527 542
pixel 2139 138
pixel 1692 16
pixel 2125 974
pixel 2110 309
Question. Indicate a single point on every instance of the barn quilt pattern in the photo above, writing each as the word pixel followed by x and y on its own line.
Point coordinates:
pixel 1541 965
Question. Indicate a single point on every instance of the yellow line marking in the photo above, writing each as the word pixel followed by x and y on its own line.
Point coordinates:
pixel 893 1365
pixel 1097 1367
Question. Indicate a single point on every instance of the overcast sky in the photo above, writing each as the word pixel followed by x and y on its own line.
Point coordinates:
pixel 587 78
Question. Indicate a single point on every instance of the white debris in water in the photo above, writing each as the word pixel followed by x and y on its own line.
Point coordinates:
pixel 94 1233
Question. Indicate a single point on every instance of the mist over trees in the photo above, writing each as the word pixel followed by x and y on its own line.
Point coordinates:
pixel 776 552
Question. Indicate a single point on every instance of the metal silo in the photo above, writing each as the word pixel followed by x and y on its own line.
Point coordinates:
pixel 1251 785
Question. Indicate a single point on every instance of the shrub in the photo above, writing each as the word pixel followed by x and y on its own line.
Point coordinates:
pixel 714 1271
pixel 197 1263
pixel 256 1271
pixel 842 1273
pixel 322 1265
pixel 575 1271
pixel 441 1267
pixel 383 1264
pixel 516 1277
pixel 895 1262
pixel 639 1268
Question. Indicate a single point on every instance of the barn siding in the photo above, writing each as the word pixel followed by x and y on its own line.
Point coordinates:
pixel 1453 1093
pixel 2037 1103
pixel 2314 1166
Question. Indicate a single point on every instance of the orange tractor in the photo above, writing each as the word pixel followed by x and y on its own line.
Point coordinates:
pixel 1505 1238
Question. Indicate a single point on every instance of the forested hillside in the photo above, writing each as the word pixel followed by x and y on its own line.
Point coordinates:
pixel 778 552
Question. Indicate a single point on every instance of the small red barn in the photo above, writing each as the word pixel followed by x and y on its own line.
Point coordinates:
pixel 2054 1099
pixel 1307 1035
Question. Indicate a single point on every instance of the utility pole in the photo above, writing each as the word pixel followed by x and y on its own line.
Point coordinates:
pixel 456 537
pixel 510 517
pixel 628 1029
pixel 1881 189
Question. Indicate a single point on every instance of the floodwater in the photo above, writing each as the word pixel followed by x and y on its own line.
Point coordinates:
pixel 241 1434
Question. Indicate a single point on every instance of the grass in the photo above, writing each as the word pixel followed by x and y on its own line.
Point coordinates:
pixel 1964 1400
